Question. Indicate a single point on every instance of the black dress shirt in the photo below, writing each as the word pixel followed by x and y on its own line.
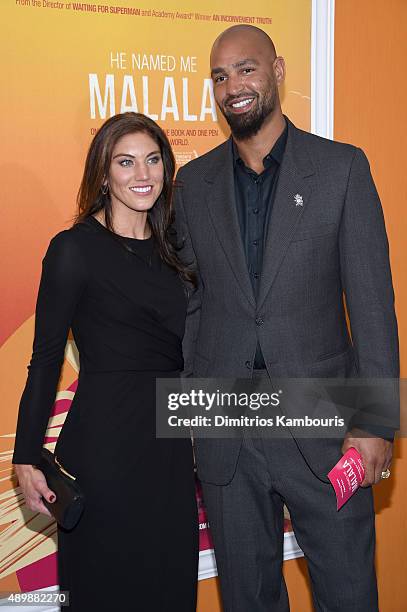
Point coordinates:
pixel 254 200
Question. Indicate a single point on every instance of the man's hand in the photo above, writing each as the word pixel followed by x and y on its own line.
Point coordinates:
pixel 376 454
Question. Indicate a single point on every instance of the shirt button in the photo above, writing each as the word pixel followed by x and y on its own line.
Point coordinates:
pixel 255 211
pixel 255 242
pixel 248 365
pixel 259 321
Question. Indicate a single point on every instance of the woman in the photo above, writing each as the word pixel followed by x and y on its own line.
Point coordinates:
pixel 114 278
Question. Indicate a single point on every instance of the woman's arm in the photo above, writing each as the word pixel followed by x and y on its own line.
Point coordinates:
pixel 63 281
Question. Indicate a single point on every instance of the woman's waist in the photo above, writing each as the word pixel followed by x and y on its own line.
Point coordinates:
pixel 121 349
pixel 121 385
pixel 99 362
pixel 89 373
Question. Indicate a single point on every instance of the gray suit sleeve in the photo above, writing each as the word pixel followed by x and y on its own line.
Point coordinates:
pixel 367 284
pixel 187 255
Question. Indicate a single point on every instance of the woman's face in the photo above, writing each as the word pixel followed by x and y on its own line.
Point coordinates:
pixel 136 173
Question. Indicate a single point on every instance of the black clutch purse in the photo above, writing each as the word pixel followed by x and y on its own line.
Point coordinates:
pixel 69 503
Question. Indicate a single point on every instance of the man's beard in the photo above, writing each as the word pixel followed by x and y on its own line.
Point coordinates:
pixel 246 125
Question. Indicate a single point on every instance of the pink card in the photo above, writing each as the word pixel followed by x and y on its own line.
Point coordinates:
pixel 346 476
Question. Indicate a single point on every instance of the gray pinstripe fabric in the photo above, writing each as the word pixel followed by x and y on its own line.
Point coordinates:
pixel 336 241
pixel 326 237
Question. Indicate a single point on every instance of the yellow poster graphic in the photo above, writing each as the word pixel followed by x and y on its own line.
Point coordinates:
pixel 67 67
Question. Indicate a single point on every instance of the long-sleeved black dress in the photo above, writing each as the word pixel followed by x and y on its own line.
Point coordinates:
pixel 136 544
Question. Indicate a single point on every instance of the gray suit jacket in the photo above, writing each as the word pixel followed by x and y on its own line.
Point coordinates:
pixel 326 238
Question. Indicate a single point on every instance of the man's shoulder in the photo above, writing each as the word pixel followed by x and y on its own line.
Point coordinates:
pixel 205 162
pixel 324 148
pixel 320 149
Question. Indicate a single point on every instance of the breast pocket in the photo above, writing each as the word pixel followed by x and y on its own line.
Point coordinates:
pixel 314 231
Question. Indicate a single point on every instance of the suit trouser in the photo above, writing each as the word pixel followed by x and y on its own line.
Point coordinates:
pixel 246 518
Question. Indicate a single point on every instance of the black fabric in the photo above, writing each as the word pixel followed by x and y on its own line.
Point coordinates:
pixel 254 200
pixel 135 546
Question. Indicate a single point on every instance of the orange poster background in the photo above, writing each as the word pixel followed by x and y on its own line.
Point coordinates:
pixel 47 55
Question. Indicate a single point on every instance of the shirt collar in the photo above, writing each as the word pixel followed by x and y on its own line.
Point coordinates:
pixel 276 153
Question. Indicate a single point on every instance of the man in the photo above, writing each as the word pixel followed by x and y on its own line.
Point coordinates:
pixel 281 225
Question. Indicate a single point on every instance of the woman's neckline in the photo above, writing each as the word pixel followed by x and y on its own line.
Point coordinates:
pixel 97 223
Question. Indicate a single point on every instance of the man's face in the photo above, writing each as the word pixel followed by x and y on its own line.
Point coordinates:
pixel 245 76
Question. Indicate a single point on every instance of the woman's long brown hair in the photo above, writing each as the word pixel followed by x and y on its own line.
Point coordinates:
pixel 91 198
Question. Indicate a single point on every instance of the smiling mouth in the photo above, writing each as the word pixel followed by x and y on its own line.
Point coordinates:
pixel 142 190
pixel 239 104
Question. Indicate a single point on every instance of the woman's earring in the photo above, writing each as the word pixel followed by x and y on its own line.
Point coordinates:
pixel 105 189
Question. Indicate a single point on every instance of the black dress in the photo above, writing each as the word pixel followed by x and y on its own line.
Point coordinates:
pixel 136 544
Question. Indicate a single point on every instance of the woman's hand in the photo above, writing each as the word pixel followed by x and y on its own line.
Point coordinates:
pixel 34 486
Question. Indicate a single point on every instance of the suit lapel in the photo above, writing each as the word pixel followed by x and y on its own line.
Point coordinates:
pixel 222 208
pixel 291 198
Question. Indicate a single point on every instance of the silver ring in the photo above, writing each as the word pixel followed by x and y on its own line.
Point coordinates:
pixel 385 474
